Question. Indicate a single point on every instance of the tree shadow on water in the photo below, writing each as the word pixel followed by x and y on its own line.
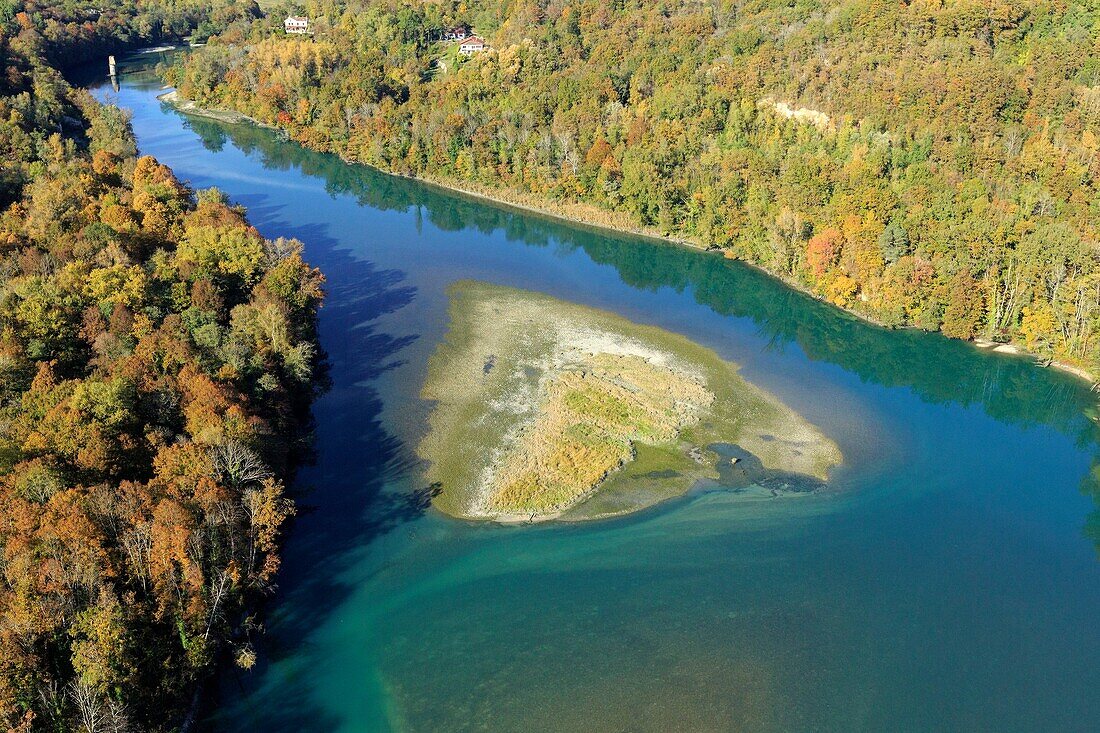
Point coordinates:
pixel 343 502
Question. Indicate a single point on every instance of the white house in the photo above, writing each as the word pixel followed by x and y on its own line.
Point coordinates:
pixel 296 24
pixel 472 45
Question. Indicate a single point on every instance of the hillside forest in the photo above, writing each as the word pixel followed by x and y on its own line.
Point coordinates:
pixel 922 163
pixel 157 362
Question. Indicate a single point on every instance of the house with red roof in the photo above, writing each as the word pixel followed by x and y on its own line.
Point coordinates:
pixel 472 45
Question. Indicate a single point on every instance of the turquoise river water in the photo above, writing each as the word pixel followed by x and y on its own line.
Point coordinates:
pixel 947 580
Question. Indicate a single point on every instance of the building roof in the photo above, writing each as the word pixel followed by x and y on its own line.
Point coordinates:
pixel 296 18
pixel 473 41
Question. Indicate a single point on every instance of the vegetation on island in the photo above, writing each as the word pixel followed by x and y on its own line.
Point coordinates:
pixel 591 415
pixel 157 362
pixel 922 163
pixel 542 406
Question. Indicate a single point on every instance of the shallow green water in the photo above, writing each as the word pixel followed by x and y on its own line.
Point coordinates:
pixel 946 581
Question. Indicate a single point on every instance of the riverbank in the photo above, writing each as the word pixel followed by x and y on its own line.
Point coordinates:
pixel 546 409
pixel 588 215
pixel 189 107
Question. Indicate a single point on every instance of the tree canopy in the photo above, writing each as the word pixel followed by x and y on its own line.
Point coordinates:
pixel 922 163
pixel 157 362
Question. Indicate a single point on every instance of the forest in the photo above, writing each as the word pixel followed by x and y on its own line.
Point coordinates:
pixel 158 358
pixel 921 163
pixel 74 31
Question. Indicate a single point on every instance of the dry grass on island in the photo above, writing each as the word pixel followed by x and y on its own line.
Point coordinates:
pixel 540 404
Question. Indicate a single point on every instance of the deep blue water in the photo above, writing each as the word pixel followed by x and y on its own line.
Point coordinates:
pixel 947 580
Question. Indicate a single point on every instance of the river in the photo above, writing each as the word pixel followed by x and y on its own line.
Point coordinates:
pixel 946 580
